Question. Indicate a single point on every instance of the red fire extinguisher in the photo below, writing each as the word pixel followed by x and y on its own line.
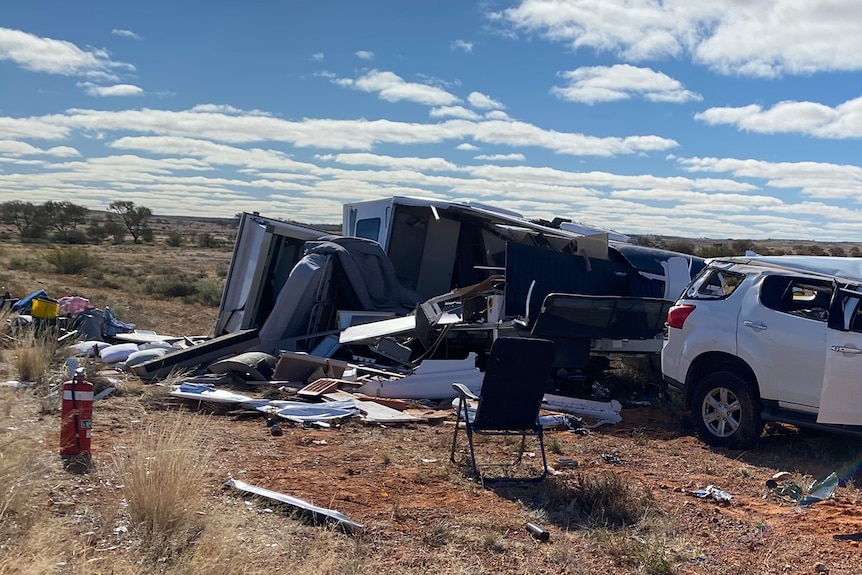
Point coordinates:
pixel 76 423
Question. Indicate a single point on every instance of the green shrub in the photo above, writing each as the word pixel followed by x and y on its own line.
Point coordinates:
pixel 173 285
pixel 174 239
pixel 207 292
pixel 71 260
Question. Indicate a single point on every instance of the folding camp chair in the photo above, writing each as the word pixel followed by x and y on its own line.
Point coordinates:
pixel 515 381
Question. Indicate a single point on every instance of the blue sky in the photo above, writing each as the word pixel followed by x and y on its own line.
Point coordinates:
pixel 702 118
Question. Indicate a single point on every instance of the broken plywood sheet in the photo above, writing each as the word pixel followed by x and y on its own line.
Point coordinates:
pixel 373 412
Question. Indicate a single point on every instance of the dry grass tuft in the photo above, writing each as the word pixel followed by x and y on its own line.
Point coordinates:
pixel 33 354
pixel 164 482
pixel 21 464
pixel 610 500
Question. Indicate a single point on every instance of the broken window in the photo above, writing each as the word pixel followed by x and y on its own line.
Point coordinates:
pixel 803 297
pixel 714 283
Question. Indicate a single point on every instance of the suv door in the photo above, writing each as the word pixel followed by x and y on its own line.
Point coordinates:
pixel 841 395
pixel 782 335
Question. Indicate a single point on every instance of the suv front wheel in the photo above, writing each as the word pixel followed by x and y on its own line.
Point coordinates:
pixel 726 410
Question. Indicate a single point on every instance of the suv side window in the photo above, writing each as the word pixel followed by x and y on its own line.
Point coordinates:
pixel 714 283
pixel 803 297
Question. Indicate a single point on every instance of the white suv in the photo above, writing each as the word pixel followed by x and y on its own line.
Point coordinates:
pixel 756 339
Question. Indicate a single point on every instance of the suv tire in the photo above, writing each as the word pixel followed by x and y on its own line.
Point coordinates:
pixel 726 410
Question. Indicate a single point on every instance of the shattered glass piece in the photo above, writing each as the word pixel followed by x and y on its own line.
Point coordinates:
pixel 821 489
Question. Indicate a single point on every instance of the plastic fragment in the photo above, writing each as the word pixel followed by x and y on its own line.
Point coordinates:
pixel 713 492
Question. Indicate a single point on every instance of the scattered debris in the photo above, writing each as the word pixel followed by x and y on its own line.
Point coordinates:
pixel 537 532
pixel 712 492
pixel 603 411
pixel 613 459
pixel 819 490
pixel 315 513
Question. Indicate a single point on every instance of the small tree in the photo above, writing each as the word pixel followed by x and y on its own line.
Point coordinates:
pixel 135 219
pixel 28 219
pixel 64 216
pixel 115 230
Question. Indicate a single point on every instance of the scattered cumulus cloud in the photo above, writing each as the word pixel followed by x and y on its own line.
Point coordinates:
pixel 462 45
pixel 317 57
pixel 501 157
pixel 483 102
pixel 466 147
pixel 16 148
pixel 393 88
pixel 761 38
pixel 125 34
pixel 497 115
pixel 594 84
pixel 51 56
pixel 365 55
pixel 114 90
pixel 453 112
pixel 808 118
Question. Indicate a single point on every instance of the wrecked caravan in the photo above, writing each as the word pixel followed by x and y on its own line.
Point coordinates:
pixel 414 278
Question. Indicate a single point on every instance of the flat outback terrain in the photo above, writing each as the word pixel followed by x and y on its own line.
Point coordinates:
pixel 155 501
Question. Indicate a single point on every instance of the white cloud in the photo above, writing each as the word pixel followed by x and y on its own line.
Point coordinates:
pixel 621 82
pixel 501 157
pixel 230 125
pixel 453 112
pixel 212 153
pixel 466 147
pixel 815 179
pixel 317 57
pixel 392 88
pixel 757 37
pixel 125 34
pixel 497 115
pixel 115 90
pixel 483 102
pixel 227 109
pixel 462 45
pixel 52 56
pixel 393 163
pixel 365 55
pixel 809 118
pixel 63 152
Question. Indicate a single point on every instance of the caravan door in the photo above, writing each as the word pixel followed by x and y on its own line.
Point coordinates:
pixel 264 253
pixel 369 220
pixel 841 394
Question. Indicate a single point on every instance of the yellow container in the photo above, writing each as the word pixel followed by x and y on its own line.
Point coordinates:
pixel 45 309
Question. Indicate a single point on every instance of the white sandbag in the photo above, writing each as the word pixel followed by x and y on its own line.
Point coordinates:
pixel 118 352
pixel 143 355
pixel 87 348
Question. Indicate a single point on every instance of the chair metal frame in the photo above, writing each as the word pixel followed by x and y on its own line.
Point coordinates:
pixel 536 355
